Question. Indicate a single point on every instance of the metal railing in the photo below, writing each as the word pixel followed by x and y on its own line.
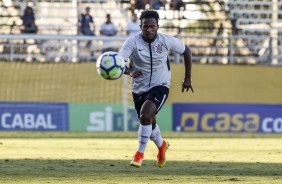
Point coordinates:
pixel 247 49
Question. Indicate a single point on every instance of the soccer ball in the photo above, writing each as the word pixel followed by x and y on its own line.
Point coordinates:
pixel 110 65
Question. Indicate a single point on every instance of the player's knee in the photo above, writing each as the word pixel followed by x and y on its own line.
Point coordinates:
pixel 145 119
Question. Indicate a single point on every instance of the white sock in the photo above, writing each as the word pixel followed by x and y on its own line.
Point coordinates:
pixel 144 133
pixel 156 136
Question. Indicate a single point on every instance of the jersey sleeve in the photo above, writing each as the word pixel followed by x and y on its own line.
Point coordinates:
pixel 127 48
pixel 176 45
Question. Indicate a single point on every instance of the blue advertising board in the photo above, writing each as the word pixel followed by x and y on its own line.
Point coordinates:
pixel 33 116
pixel 220 117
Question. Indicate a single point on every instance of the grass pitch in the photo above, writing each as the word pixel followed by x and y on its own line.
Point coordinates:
pixel 104 158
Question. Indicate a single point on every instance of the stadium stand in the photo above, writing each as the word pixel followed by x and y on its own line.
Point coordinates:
pixel 218 31
pixel 260 18
pixel 54 18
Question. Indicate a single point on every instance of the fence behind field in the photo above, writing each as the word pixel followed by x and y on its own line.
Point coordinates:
pixel 243 49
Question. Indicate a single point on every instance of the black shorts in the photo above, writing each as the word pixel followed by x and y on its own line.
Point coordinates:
pixel 157 94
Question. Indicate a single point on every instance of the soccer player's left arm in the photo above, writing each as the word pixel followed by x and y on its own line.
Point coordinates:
pixel 187 81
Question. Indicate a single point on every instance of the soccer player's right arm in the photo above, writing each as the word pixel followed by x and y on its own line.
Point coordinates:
pixel 125 51
pixel 132 73
pixel 127 70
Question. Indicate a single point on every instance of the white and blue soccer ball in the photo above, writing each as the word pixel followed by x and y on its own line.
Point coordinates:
pixel 110 65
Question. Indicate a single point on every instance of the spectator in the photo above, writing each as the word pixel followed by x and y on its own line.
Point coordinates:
pixel 140 4
pixel 157 4
pixel 85 22
pixel 108 29
pixel 28 19
pixel 133 26
pixel 177 4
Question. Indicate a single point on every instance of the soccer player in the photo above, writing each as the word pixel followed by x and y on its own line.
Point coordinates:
pixel 149 67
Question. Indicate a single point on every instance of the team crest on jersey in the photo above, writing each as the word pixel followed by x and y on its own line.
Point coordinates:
pixel 159 47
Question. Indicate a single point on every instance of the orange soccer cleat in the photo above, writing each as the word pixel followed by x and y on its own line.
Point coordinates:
pixel 161 155
pixel 137 159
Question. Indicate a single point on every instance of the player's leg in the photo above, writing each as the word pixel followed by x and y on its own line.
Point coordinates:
pixel 156 134
pixel 159 95
pixel 162 145
pixel 147 105
pixel 147 113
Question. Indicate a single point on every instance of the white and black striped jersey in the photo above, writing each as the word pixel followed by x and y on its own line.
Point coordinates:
pixel 151 59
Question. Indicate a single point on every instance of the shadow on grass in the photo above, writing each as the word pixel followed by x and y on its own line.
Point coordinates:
pixel 99 168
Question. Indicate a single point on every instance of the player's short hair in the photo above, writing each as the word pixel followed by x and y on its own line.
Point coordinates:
pixel 150 14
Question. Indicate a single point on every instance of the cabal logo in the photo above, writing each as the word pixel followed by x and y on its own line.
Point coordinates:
pixel 26 121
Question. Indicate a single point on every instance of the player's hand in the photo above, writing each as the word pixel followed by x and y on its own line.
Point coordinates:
pixel 187 84
pixel 134 74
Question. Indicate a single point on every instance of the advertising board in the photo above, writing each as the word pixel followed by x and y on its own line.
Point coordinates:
pixel 208 117
pixel 97 117
pixel 33 116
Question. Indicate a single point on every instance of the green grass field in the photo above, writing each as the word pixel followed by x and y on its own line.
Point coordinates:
pixel 104 158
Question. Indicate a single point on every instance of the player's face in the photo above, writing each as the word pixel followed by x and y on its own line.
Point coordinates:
pixel 149 27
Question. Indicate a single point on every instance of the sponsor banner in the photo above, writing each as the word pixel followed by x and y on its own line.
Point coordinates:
pixel 32 116
pixel 206 117
pixel 95 117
